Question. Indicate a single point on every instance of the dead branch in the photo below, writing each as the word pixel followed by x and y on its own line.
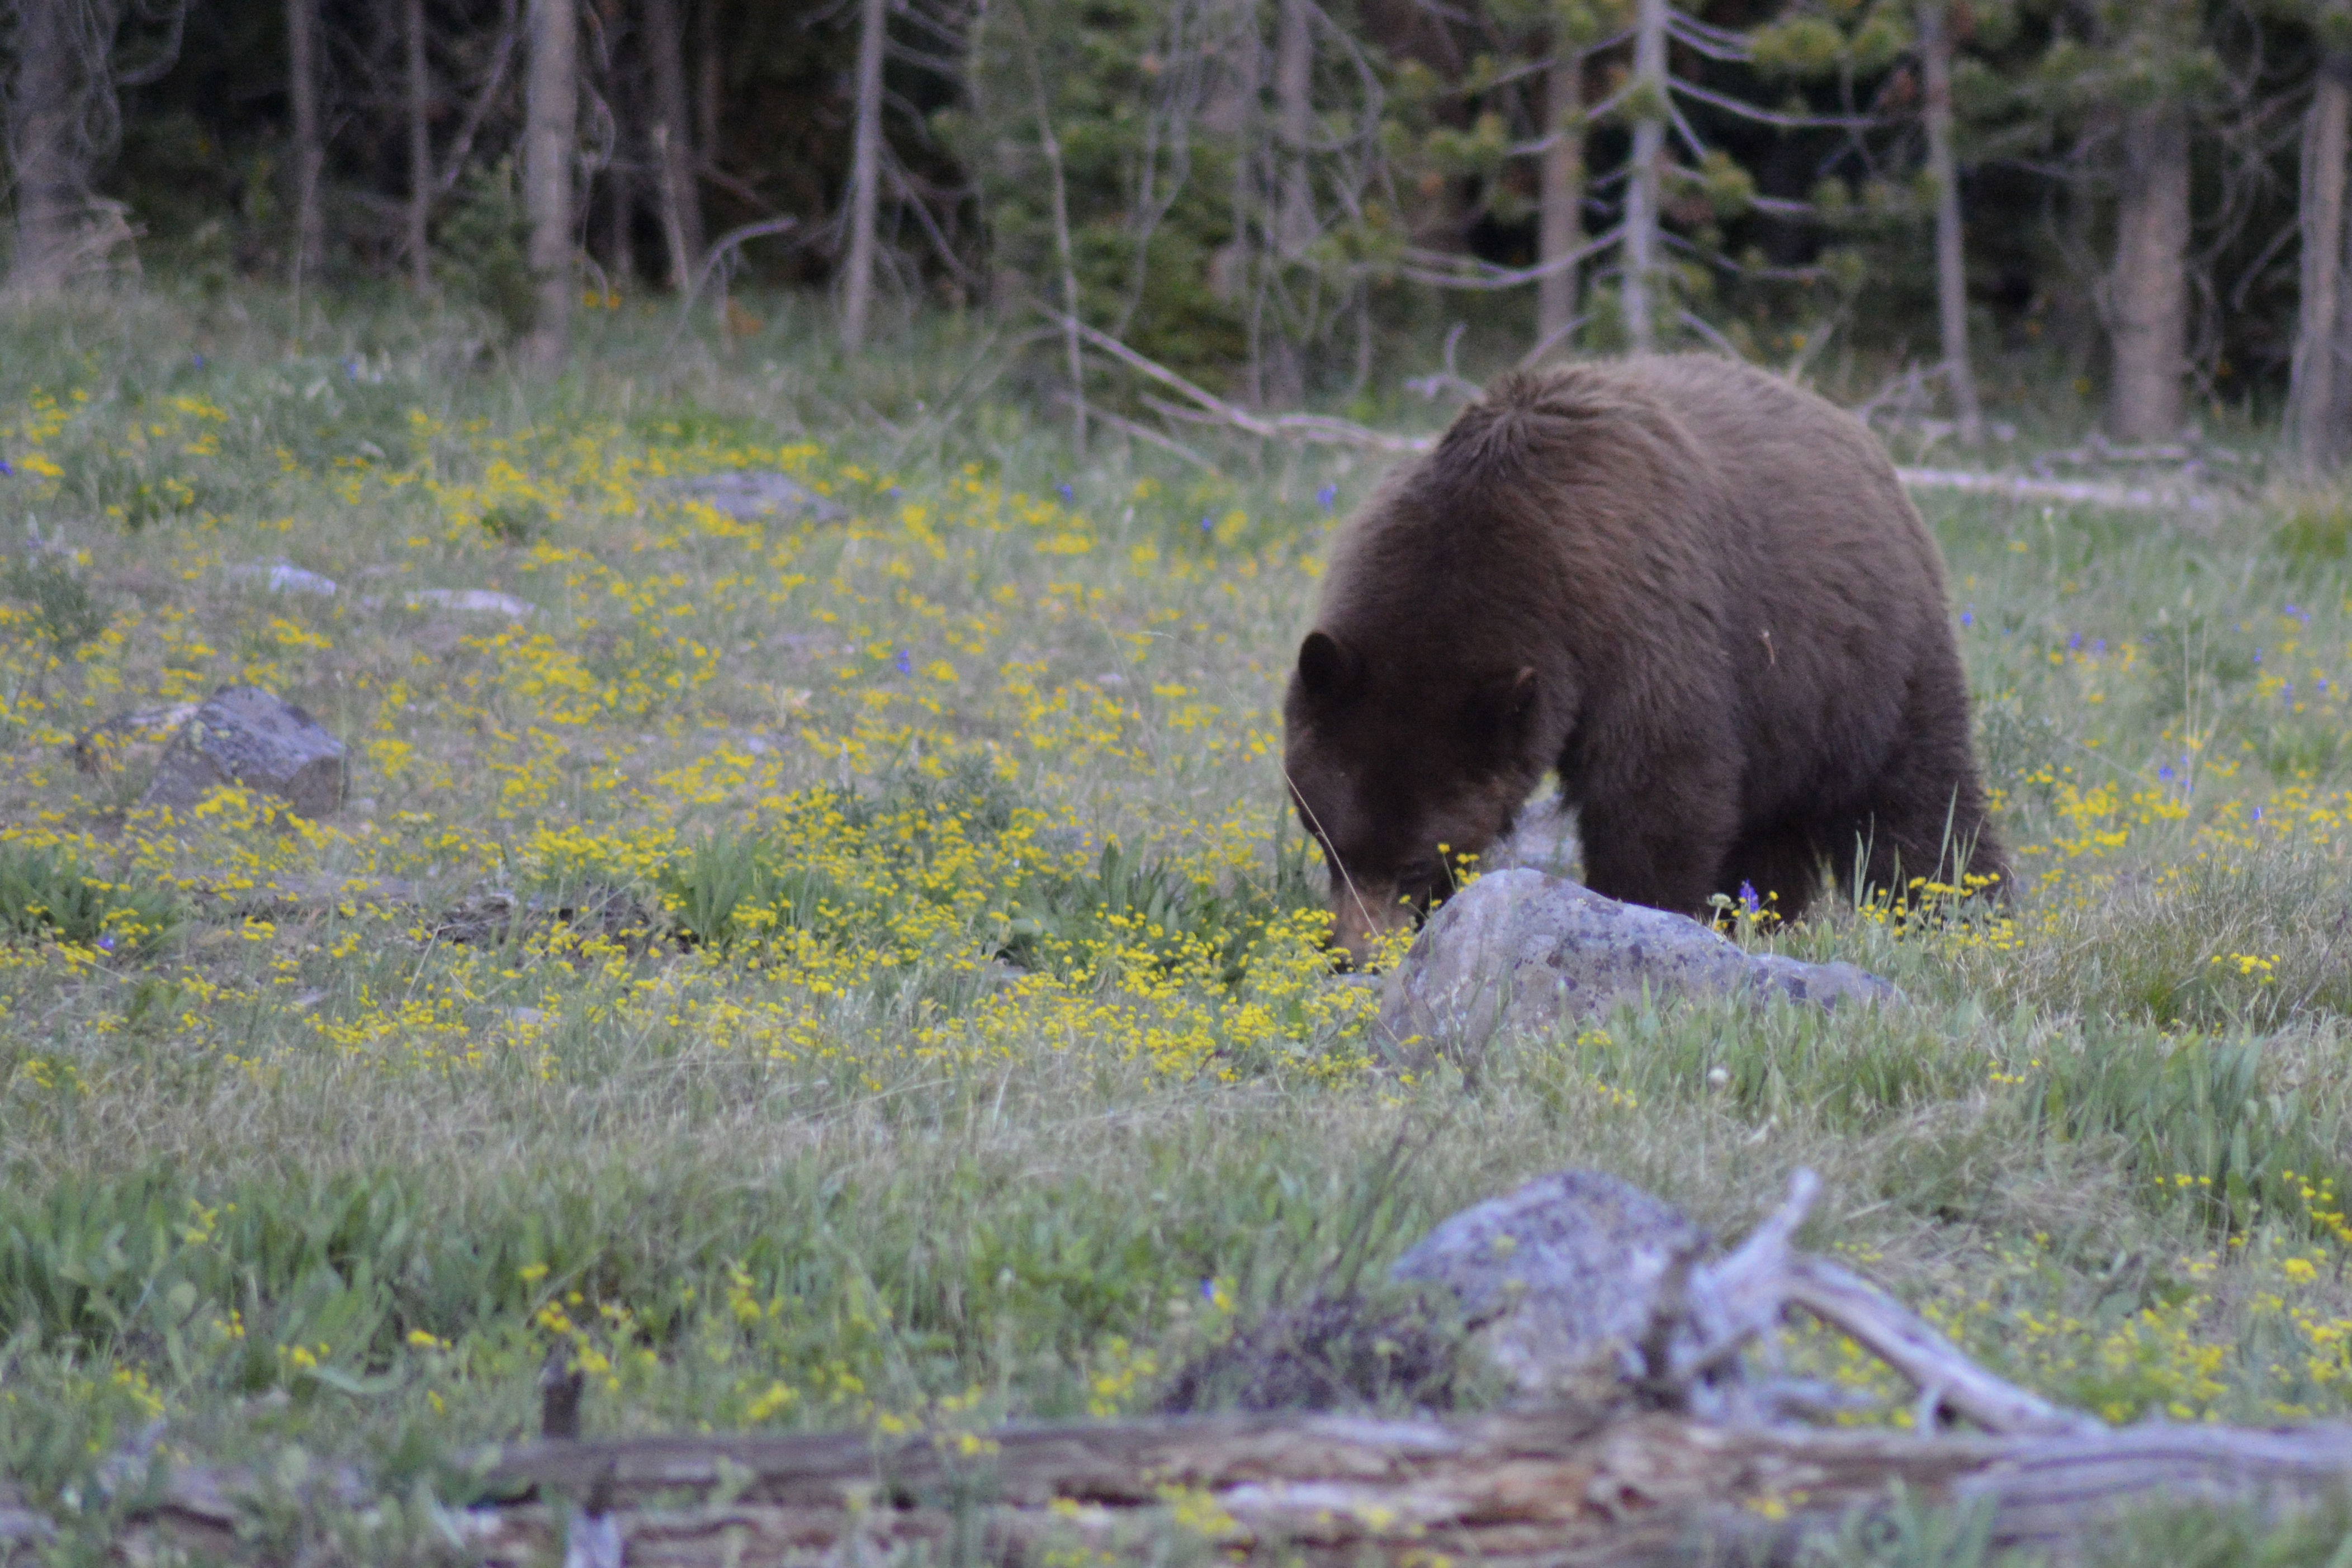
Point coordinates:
pixel 1321 429
pixel 1944 1376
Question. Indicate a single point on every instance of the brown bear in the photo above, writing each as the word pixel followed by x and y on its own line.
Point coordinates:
pixel 1698 593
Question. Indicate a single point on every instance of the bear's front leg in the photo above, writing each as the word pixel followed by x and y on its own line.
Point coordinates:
pixel 1662 848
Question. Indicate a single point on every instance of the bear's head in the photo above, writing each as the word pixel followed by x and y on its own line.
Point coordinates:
pixel 1404 771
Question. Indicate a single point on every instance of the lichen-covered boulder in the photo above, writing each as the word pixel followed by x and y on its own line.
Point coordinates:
pixel 1560 1281
pixel 1520 951
pixel 243 735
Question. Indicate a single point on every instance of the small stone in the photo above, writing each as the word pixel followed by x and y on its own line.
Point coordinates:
pixel 476 600
pixel 282 576
pixel 750 495
pixel 1518 951
pixel 245 736
pixel 1559 1282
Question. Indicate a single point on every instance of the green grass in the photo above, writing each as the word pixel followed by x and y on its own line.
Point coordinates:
pixel 938 1011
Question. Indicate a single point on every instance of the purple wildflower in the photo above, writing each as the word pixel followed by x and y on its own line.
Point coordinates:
pixel 1747 899
pixel 906 662
pixel 1327 496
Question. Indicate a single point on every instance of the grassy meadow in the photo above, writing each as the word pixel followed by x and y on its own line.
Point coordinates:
pixel 837 972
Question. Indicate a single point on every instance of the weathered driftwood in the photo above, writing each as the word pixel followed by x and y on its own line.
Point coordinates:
pixel 1555 1487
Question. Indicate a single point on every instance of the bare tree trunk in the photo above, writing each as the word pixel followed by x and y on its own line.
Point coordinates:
pixel 2315 401
pixel 1294 86
pixel 1642 189
pixel 667 156
pixel 1561 223
pixel 620 257
pixel 1951 260
pixel 550 151
pixel 673 138
pixel 710 83
pixel 41 147
pixel 420 153
pixel 623 181
pixel 302 69
pixel 866 174
pixel 1073 328
pixel 2148 290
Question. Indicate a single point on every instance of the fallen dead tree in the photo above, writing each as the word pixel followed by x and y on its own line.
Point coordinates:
pixel 1681 1461
pixel 2070 492
pixel 1554 1486
pixel 1199 406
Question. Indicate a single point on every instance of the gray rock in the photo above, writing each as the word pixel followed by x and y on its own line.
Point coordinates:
pixel 242 735
pixel 750 495
pixel 282 576
pixel 1520 951
pixel 1543 839
pixel 1560 1281
pixel 477 600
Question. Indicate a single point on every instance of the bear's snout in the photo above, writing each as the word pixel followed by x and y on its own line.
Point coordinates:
pixel 1363 915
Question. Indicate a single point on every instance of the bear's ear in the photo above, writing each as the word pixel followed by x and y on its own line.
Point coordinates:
pixel 1499 706
pixel 1327 670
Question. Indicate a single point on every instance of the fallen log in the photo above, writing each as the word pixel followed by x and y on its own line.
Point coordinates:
pixel 1556 1487
pixel 1314 429
pixel 2071 492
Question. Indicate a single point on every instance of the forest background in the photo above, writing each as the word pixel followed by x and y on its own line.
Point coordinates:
pixel 1284 199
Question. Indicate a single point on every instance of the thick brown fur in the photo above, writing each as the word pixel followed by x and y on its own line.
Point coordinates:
pixel 1698 593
